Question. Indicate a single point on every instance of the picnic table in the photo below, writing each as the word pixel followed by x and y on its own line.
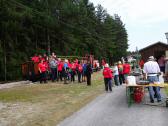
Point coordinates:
pixel 130 90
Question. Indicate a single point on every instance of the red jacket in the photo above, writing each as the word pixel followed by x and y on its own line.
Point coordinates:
pixel 69 65
pixel 42 67
pixel 60 66
pixel 35 59
pixel 141 64
pixel 107 73
pixel 80 68
pixel 73 67
pixel 126 68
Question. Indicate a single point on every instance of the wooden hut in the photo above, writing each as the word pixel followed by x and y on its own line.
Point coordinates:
pixel 157 50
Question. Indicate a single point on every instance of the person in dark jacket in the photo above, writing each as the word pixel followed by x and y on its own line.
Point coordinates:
pixel 80 70
pixel 88 73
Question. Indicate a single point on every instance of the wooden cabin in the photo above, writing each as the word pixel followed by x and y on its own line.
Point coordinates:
pixel 157 50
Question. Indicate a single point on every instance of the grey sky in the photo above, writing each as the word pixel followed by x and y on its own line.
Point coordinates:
pixel 146 20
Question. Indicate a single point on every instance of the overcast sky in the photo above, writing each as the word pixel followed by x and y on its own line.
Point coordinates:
pixel 146 20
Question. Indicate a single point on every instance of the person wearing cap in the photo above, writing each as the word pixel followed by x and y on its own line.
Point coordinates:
pixel 151 70
pixel 107 73
pixel 126 69
pixel 121 75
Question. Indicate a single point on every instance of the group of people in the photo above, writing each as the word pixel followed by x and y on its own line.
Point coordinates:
pixel 59 70
pixel 121 70
pixel 119 73
pixel 162 62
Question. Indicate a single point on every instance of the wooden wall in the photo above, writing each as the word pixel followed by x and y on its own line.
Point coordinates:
pixel 155 50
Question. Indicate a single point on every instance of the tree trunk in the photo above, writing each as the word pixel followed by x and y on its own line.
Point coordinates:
pixel 36 42
pixel 5 69
pixel 36 46
pixel 48 43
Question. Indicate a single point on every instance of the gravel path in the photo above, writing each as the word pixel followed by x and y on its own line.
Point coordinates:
pixel 13 84
pixel 111 109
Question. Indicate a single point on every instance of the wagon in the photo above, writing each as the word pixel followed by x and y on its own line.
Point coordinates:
pixel 30 71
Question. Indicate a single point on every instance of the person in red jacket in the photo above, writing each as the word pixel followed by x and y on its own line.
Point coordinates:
pixel 73 71
pixel 121 75
pixel 108 75
pixel 35 59
pixel 141 63
pixel 126 70
pixel 80 70
pixel 42 69
pixel 60 69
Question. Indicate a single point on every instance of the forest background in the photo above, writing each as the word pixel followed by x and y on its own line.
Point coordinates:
pixel 66 27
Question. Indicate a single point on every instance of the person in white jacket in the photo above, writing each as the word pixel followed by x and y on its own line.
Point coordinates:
pixel 116 75
pixel 151 70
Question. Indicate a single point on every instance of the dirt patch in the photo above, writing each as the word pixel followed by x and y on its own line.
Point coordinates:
pixel 14 84
pixel 47 104
pixel 14 114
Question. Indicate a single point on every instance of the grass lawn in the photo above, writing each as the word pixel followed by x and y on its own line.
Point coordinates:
pixel 166 90
pixel 46 104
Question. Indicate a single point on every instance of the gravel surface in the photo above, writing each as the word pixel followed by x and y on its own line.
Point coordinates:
pixel 111 109
pixel 13 84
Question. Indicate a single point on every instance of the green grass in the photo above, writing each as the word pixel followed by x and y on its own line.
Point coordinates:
pixel 31 92
pixel 166 90
pixel 56 100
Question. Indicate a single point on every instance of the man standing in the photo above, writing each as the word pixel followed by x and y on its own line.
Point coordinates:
pixel 65 71
pixel 126 69
pixel 88 73
pixel 53 67
pixel 151 69
pixel 80 69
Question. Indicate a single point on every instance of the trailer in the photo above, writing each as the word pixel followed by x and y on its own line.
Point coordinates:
pixel 30 71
